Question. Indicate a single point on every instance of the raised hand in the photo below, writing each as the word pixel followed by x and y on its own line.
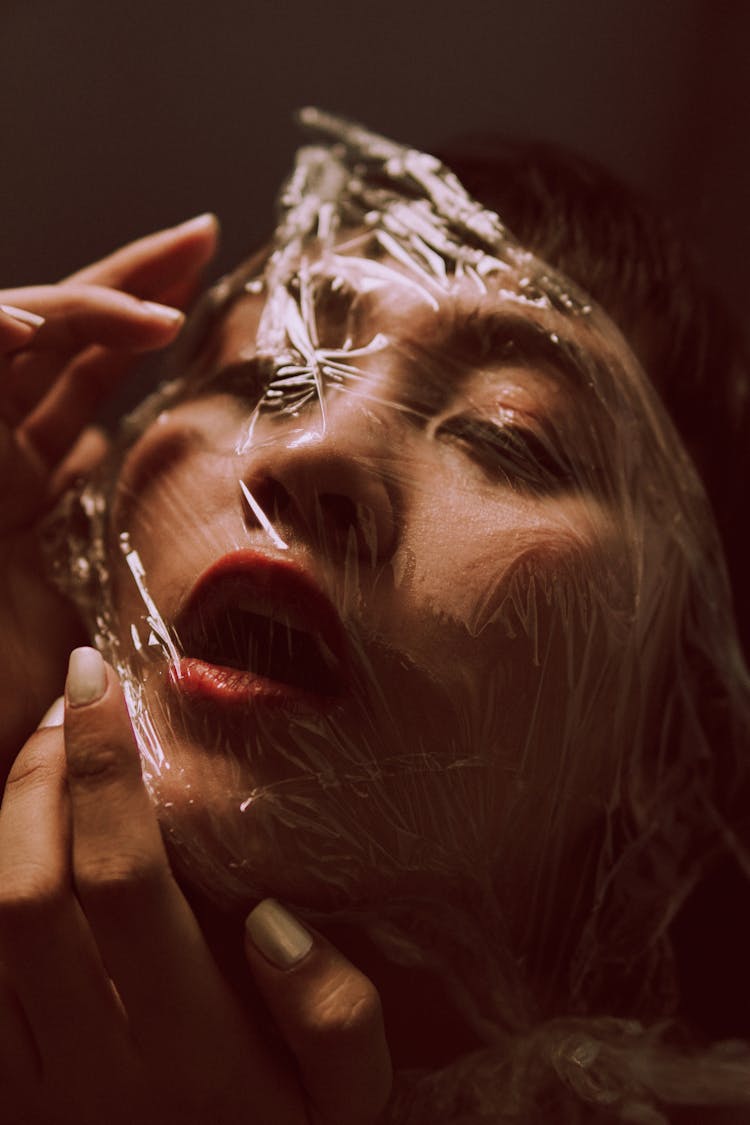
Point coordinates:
pixel 111 1006
pixel 63 349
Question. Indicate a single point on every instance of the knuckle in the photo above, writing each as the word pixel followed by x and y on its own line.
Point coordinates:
pixel 38 765
pixel 28 897
pixel 95 762
pixel 116 877
pixel 349 1007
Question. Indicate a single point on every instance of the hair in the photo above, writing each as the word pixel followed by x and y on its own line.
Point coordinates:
pixel 631 259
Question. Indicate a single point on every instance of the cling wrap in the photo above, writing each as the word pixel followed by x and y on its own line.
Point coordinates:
pixel 423 625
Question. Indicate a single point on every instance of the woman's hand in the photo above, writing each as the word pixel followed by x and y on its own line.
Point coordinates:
pixel 63 349
pixel 111 1006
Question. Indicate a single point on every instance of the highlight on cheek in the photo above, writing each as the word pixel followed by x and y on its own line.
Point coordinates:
pixel 407 577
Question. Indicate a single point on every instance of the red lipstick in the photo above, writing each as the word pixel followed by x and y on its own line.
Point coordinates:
pixel 257 630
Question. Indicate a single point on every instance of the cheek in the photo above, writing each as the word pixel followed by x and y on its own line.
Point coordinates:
pixel 482 561
pixel 172 531
pixel 515 619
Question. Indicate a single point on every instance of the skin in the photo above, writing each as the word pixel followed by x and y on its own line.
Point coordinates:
pixel 86 899
pixel 397 595
pixel 54 376
pixel 87 894
pixel 93 923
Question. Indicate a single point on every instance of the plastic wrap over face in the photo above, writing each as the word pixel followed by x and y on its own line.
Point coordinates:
pixel 404 573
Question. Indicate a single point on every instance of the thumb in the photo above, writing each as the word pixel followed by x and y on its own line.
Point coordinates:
pixel 327 1011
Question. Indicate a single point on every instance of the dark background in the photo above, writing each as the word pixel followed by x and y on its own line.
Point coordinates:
pixel 117 119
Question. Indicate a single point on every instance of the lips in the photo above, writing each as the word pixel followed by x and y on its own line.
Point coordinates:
pixel 258 631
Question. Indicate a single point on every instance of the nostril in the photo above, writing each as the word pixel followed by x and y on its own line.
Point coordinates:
pixel 340 518
pixel 272 498
pixel 338 509
pixel 337 519
pixel 324 499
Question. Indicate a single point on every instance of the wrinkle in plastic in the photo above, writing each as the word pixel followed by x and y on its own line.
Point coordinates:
pixel 406 574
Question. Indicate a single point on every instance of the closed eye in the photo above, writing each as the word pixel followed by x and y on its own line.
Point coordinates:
pixel 245 380
pixel 511 452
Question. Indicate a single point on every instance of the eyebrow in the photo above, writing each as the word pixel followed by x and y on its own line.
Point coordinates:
pixel 481 337
pixel 500 337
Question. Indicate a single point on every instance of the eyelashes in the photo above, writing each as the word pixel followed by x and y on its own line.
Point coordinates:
pixel 512 453
pixel 245 381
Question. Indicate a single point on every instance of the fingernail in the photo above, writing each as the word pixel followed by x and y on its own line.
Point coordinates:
pixel 206 221
pixel 56 714
pixel 23 316
pixel 164 312
pixel 87 677
pixel 277 934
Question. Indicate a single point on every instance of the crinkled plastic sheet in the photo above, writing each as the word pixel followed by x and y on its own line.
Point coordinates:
pixel 415 596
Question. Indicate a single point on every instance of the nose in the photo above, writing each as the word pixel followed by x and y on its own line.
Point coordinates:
pixel 334 481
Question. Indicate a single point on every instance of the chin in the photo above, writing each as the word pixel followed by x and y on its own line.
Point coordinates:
pixel 289 847
pixel 239 831
pixel 326 805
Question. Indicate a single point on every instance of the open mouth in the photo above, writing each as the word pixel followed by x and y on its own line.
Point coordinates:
pixel 258 630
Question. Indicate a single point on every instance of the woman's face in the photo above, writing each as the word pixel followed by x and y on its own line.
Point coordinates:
pixel 367 617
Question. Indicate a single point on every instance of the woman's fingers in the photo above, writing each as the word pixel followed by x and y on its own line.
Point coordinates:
pixel 87 453
pixel 62 373
pixel 63 347
pixel 329 1014
pixel 152 279
pixel 181 1012
pixel 182 292
pixel 150 266
pixel 77 315
pixel 17 328
pixel 117 303
pixel 54 425
pixel 173 1024
pixel 120 869
pixel 45 945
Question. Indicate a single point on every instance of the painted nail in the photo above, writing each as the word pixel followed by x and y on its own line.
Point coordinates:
pixel 206 221
pixel 23 316
pixel 277 934
pixel 56 714
pixel 87 677
pixel 164 312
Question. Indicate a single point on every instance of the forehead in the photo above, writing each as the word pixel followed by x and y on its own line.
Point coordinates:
pixel 357 302
pixel 379 250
